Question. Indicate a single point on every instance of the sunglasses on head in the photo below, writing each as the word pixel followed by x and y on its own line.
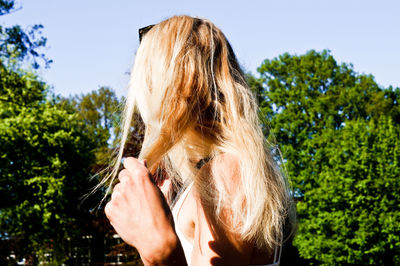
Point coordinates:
pixel 143 31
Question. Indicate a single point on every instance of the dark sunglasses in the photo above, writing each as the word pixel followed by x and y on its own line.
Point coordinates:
pixel 143 31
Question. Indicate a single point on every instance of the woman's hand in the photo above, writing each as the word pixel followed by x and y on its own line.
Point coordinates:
pixel 140 215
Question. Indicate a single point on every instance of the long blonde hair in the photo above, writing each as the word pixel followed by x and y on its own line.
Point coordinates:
pixel 195 102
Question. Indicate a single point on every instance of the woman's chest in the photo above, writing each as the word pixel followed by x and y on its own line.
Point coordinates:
pixel 186 217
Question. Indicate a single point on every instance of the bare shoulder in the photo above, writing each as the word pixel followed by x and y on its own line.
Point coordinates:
pixel 227 161
pixel 214 243
pixel 226 172
pixel 220 176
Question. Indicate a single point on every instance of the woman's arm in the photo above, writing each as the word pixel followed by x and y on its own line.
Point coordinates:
pixel 140 215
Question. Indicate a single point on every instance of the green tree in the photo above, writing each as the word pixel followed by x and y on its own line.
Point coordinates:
pixel 18 46
pixel 45 161
pixel 353 215
pixel 45 151
pixel 310 100
pixel 99 110
pixel 49 148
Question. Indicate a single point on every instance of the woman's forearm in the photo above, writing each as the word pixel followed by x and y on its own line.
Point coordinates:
pixel 171 254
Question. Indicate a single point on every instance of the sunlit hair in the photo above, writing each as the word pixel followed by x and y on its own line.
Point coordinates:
pixel 195 102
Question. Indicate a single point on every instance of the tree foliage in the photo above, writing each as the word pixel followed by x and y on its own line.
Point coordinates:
pixel 45 159
pixel 338 132
pixel 18 46
pixel 353 215
pixel 49 148
pixel 99 110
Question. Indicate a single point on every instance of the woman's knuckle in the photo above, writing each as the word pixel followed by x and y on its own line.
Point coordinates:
pixel 124 172
pixel 129 160
pixel 124 175
pixel 115 197
pixel 117 187
pixel 108 210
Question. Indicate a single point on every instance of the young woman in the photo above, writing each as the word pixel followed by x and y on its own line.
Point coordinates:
pixel 204 156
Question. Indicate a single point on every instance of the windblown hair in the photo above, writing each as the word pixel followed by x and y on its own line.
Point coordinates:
pixel 195 102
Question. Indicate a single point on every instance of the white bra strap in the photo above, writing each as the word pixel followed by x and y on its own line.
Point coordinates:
pixel 277 259
pixel 182 199
pixel 275 253
pixel 280 252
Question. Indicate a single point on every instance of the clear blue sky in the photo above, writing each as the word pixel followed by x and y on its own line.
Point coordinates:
pixel 93 42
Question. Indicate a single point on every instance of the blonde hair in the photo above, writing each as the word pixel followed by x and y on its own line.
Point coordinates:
pixel 196 104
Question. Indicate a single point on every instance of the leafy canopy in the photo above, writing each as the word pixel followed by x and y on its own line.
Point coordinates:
pixel 339 134
pixel 44 162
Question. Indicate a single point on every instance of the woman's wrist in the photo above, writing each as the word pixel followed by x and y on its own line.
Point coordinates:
pixel 169 252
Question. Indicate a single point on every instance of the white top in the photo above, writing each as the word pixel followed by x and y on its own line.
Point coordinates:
pixel 188 246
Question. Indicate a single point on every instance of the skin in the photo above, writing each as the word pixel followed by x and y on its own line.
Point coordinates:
pixel 139 213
